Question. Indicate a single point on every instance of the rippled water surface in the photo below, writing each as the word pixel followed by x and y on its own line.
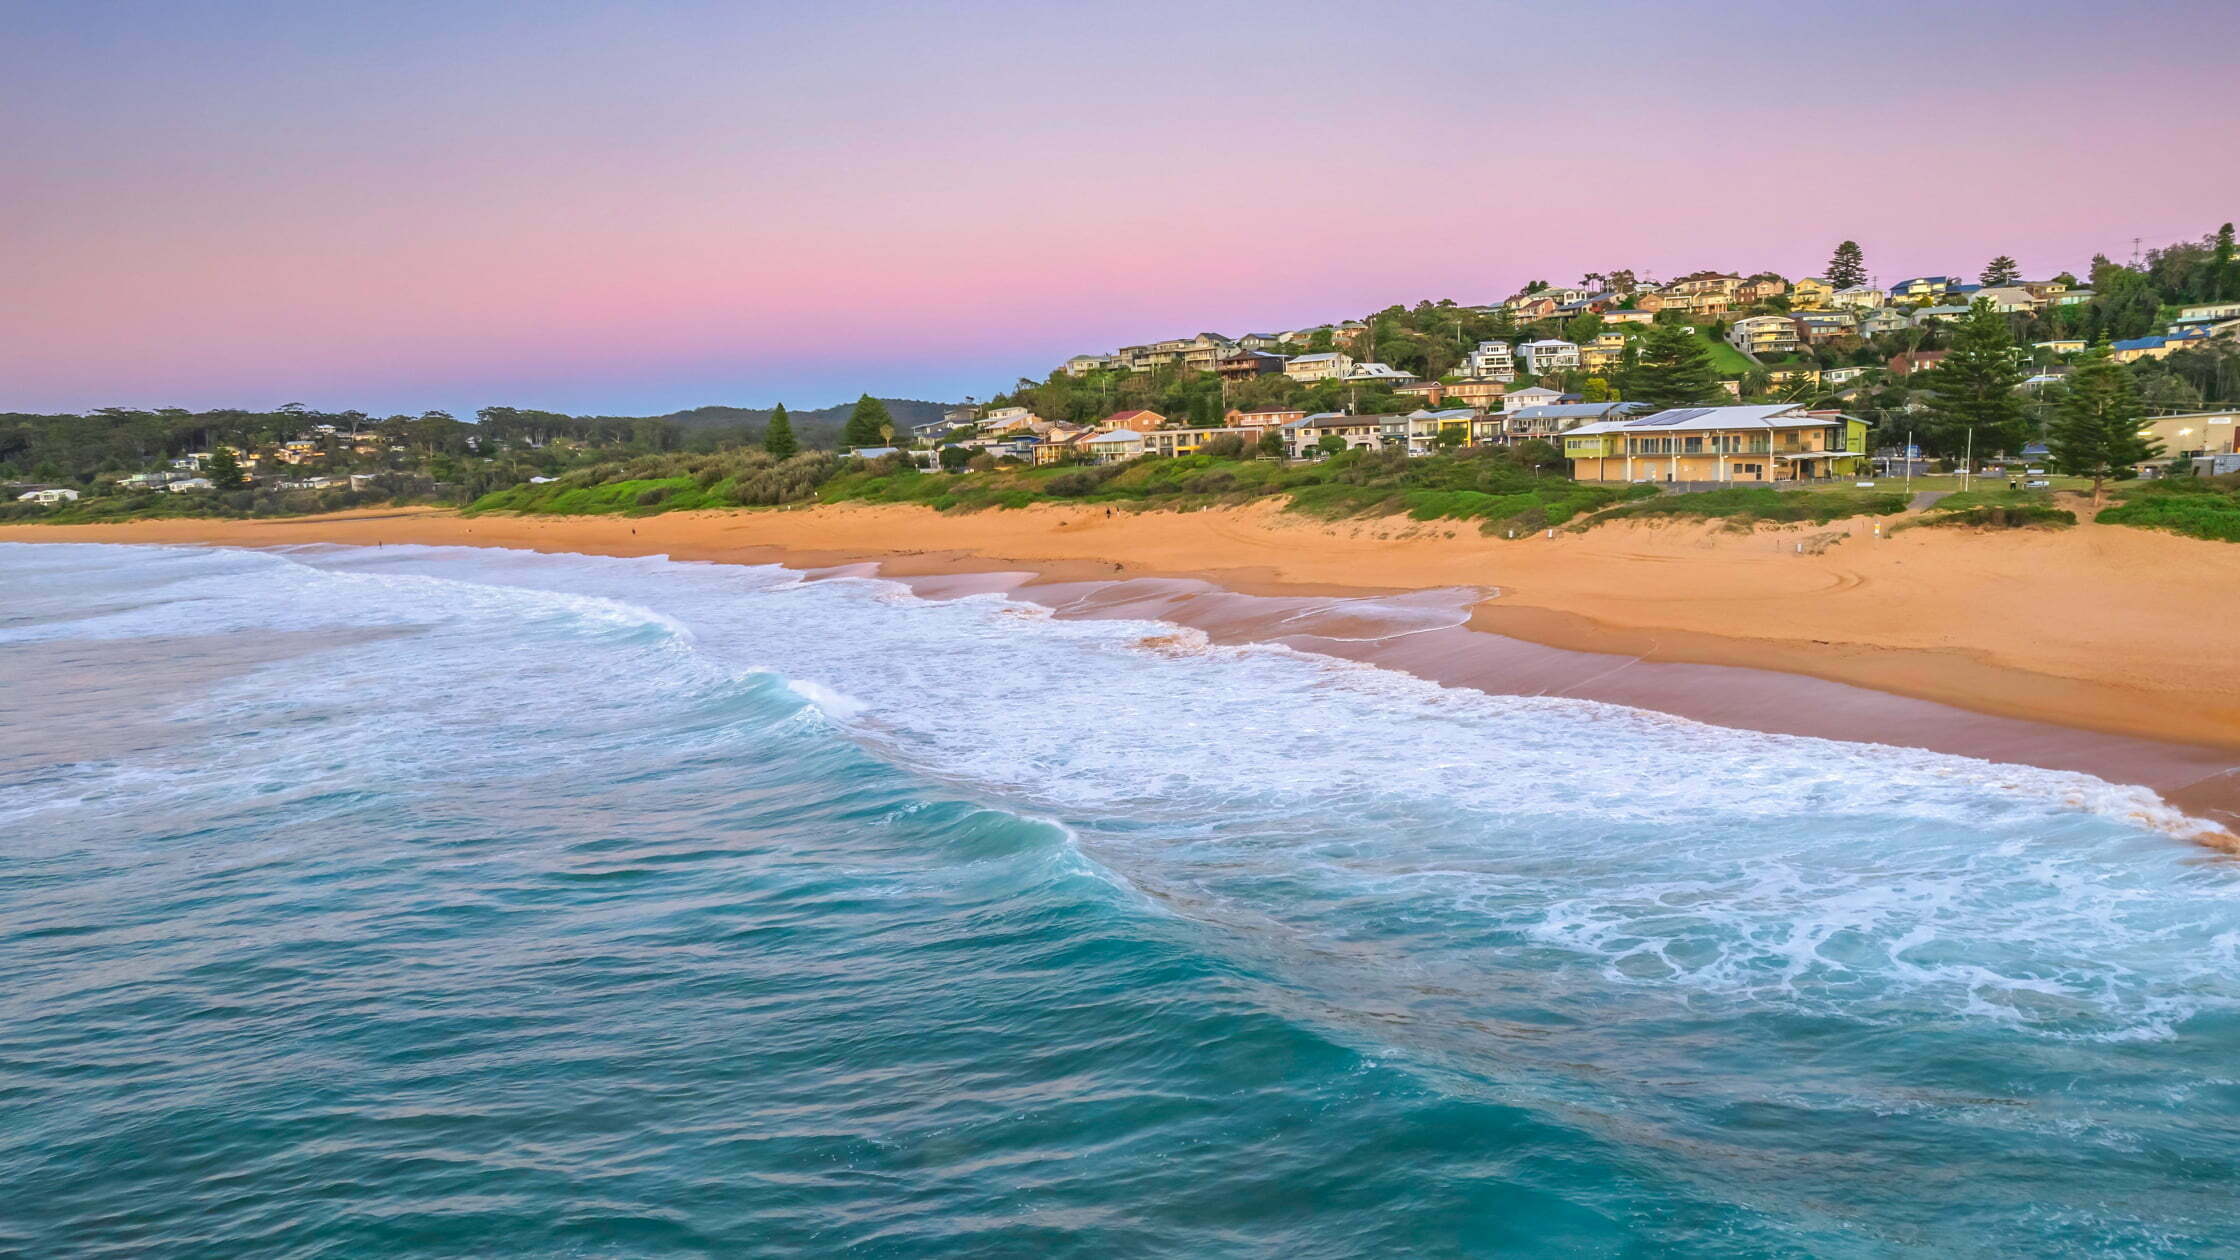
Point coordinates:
pixel 419 901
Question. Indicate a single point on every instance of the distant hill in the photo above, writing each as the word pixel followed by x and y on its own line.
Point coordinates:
pixel 817 428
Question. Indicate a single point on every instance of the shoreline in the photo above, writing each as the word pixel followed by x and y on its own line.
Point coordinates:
pixel 1444 612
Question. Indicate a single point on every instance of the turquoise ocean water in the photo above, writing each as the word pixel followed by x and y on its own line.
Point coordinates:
pixel 420 901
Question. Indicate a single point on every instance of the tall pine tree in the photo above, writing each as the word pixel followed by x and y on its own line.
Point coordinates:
pixel 1673 369
pixel 869 424
pixel 2000 271
pixel 778 439
pixel 2095 431
pixel 2224 270
pixel 225 470
pixel 1973 389
pixel 1848 267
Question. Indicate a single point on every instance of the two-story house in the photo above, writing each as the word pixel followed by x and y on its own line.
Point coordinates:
pixel 1759 443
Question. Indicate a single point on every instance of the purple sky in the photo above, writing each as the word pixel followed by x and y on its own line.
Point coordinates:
pixel 635 208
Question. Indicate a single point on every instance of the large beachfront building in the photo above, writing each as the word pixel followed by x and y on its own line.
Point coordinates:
pixel 1779 442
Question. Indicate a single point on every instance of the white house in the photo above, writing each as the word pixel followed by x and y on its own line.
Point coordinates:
pixel 1378 374
pixel 1550 354
pixel 1113 446
pixel 191 483
pixel 49 496
pixel 1492 360
pixel 1536 396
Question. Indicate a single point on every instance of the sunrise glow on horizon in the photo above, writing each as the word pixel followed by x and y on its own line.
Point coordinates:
pixel 633 209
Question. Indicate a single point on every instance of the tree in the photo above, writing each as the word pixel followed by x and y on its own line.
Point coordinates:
pixel 2001 270
pixel 1674 370
pixel 869 424
pixel 1330 444
pixel 2224 270
pixel 225 470
pixel 1271 444
pixel 778 439
pixel 1848 267
pixel 1973 389
pixel 2095 432
pixel 954 458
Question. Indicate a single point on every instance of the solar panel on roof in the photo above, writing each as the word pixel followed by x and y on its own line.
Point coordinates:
pixel 1663 418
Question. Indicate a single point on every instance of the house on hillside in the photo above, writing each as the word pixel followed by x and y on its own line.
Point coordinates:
pixel 1629 315
pixel 1883 319
pixel 1532 396
pixel 48 496
pixel 1423 428
pixel 1948 314
pixel 1172 442
pixel 1083 364
pixel 1112 446
pixel 1551 422
pixel 1484 395
pixel 1811 294
pixel 1757 335
pixel 1429 393
pixel 2007 299
pixel 1826 325
pixel 1603 352
pixel 1759 288
pixel 1246 364
pixel 1262 419
pixel 1492 360
pixel 1859 297
pixel 1060 444
pixel 1309 368
pixel 1549 354
pixel 1378 374
pixel 1135 420
pixel 1762 443
pixel 1912 361
pixel 1359 433
pixel 1923 289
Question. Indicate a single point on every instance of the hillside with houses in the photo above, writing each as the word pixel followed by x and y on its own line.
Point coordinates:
pixel 1815 375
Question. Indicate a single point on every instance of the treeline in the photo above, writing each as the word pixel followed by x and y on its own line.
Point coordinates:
pixel 500 446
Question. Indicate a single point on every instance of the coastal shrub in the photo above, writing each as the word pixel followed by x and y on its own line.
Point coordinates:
pixel 1997 516
pixel 2197 507
pixel 1744 506
pixel 648 498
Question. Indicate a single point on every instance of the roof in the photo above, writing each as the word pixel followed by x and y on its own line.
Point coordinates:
pixel 1572 411
pixel 1702 419
pixel 1315 358
pixel 1114 435
pixel 1130 415
pixel 2139 343
pixel 1534 391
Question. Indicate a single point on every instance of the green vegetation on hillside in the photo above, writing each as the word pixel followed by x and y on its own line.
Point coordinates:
pixel 670 483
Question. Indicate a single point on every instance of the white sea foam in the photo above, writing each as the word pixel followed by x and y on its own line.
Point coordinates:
pixel 1654 853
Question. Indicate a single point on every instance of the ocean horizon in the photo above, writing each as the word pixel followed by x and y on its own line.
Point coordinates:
pixel 452 901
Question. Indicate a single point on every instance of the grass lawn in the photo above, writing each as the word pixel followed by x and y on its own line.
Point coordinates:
pixel 1728 360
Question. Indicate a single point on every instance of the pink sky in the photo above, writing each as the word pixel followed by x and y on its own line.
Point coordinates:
pixel 630 209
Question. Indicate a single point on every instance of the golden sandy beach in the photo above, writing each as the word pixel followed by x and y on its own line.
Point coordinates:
pixel 2098 627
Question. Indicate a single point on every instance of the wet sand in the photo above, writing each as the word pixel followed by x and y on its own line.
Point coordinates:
pixel 2034 649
